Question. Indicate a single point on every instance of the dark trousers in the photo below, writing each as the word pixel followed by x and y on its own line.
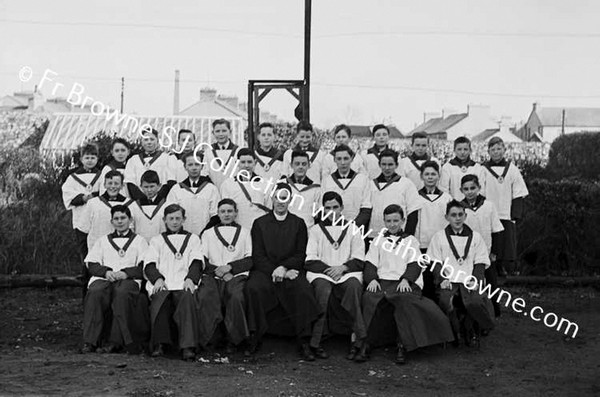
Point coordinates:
pixel 349 294
pixel 118 307
pixel 174 319
pixel 295 297
pixel 428 281
pixel 215 297
pixel 491 277
pixel 82 250
pixel 476 307
pixel 507 246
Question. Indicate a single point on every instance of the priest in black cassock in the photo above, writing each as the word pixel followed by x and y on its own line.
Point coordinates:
pixel 277 280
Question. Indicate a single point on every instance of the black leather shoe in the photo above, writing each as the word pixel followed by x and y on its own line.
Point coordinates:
pixel 306 352
pixel 230 348
pixel 363 354
pixel 88 348
pixel 188 354
pixel 109 348
pixel 319 352
pixel 400 357
pixel 159 351
pixel 252 346
pixel 353 352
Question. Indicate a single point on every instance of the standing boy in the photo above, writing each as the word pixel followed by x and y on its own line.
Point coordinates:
pixel 410 166
pixel 305 193
pixel 304 137
pixel 381 137
pixel 222 154
pixel 459 166
pixel 147 211
pixel 119 152
pixel 186 142
pixel 342 135
pixel 173 265
pixel 268 158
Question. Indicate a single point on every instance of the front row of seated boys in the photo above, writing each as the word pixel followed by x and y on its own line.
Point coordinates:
pixel 235 285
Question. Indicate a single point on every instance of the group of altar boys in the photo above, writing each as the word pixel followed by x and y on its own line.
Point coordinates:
pixel 190 250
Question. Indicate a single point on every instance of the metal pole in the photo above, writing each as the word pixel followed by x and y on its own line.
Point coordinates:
pixel 122 92
pixel 250 116
pixel 307 18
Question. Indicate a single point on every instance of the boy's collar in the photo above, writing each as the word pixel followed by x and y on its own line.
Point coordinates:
pixel 180 231
pixel 462 163
pixel 118 197
pixel 464 232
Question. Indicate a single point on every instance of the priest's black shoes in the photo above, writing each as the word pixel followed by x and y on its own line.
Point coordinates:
pixel 306 352
pixel 400 357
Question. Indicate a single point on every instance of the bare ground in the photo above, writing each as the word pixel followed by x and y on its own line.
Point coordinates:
pixel 40 334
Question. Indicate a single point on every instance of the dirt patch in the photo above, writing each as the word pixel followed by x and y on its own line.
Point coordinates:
pixel 40 334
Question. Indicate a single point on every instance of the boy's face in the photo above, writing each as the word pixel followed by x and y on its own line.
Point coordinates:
pixel 342 137
pixel 393 222
pixel 387 165
pixel 187 142
pixel 266 137
pixel 221 133
pixel 497 152
pixel 247 163
pixel 89 161
pixel 149 142
pixel 456 217
pixel 304 138
pixel 381 137
pixel 430 177
pixel 281 201
pixel 343 161
pixel 120 152
pixel 120 221
pixel 227 214
pixel 174 221
pixel 419 146
pixel 113 185
pixel 470 190
pixel 462 151
pixel 300 166
pixel 193 167
pixel 150 189
pixel 333 206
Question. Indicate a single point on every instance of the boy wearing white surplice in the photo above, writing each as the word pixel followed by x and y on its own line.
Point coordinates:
pixel 196 194
pixel 304 138
pixel 173 265
pixel 147 211
pixel 393 276
pixel 221 157
pixel 410 166
pixel 115 264
pixel 227 249
pixel 465 258
pixel 334 264
pixel 269 159
pixel 459 166
pixel 306 195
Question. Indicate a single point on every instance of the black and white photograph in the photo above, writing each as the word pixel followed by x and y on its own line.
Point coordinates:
pixel 299 198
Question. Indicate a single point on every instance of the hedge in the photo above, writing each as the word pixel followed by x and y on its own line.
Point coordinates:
pixel 575 155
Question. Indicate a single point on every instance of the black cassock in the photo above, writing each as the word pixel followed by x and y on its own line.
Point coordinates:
pixel 288 304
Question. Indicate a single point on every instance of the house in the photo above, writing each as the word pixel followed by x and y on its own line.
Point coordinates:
pixel 364 131
pixel 474 121
pixel 214 107
pixel 546 124
pixel 505 130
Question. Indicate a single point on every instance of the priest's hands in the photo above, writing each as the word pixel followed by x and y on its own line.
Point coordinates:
pixel 404 286
pixel 278 274
pixel 189 285
pixel 291 274
pixel 336 272
pixel 374 286
pixel 446 284
pixel 159 285
pixel 221 271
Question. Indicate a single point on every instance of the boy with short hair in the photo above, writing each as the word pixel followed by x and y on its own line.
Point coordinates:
pixel 304 137
pixel 381 137
pixel 351 186
pixel 393 276
pixel 506 189
pixel 306 194
pixel 483 218
pixel 458 167
pixel 173 265
pixel 146 210
pixel 431 216
pixel 151 158
pixel 268 158
pixel 390 188
pixel 115 263
pixel 196 194
pixel 342 135
pixel 78 189
pixel 248 190
pixel 186 142
pixel 98 209
pixel 227 249
pixel 465 258
pixel 410 166
pixel 334 264
pixel 221 157
pixel 119 152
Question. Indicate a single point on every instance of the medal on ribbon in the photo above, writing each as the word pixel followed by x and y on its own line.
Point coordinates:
pixel 335 244
pixel 499 178
pixel 178 254
pixel 121 251
pixel 459 259
pixel 230 246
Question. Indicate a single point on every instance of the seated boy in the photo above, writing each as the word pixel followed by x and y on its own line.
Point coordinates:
pixel 481 216
pixel 173 265
pixel 334 264
pixel 146 210
pixel 227 249
pixel 393 276
pixel 115 264
pixel 196 194
pixel 458 279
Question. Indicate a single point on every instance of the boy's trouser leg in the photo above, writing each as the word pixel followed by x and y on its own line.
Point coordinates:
pixel 491 277
pixel 350 295
pixel 124 303
pixel 322 289
pixel 507 246
pixel 477 308
pixel 82 248
pixel 186 318
pixel 370 300
pixel 161 313
pixel 208 303
pixel 95 305
pixel 235 312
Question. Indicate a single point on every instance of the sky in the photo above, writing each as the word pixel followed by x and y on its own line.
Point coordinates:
pixel 372 61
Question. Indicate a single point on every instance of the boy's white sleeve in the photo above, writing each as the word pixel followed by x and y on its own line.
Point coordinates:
pixel 213 201
pixel 95 254
pixel 480 251
pixel 496 225
pixel 413 199
pixel 87 216
pixel 248 245
pixel 365 202
pixel 445 177
pixel 312 247
pixel 129 176
pixel 372 255
pixel 69 192
pixel 358 248
pixel 519 188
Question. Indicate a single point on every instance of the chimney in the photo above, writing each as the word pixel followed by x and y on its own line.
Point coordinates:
pixel 535 105
pixel 176 94
pixel 208 94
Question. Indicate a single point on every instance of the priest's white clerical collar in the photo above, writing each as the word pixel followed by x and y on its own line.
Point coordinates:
pixel 280 217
